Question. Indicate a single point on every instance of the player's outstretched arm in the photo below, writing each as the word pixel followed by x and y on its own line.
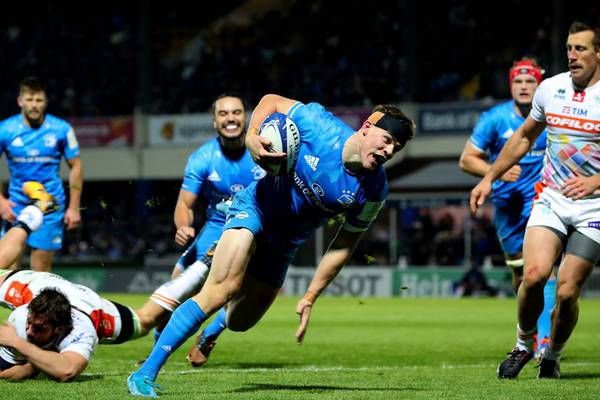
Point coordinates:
pixel 60 366
pixel 19 372
pixel 6 208
pixel 514 149
pixel 338 253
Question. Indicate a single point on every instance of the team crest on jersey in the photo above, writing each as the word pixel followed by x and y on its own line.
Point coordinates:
pixel 579 96
pixel 258 173
pixel 49 140
pixel 17 142
pixel 236 188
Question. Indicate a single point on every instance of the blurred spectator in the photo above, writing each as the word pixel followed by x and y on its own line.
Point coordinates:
pixel 474 283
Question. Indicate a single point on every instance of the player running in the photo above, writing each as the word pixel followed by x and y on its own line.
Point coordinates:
pixel 513 193
pixel 214 173
pixel 565 212
pixel 338 171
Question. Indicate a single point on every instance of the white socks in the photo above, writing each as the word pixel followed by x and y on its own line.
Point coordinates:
pixel 32 217
pixel 171 294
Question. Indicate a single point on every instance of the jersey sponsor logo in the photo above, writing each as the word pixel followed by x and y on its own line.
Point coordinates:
pixel 18 294
pixel 576 124
pixel 312 161
pixel 214 177
pixel 560 94
pixel 57 240
pixel 594 224
pixel 33 152
pixel 17 142
pixel 50 140
pixel 308 193
pixel 236 188
pixel 575 111
pixel 318 189
pixel 346 199
pixel 76 338
pixel 579 96
pixel 104 323
pixel 32 159
pixel 536 153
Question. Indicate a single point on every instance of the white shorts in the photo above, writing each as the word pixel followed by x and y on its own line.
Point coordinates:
pixel 551 208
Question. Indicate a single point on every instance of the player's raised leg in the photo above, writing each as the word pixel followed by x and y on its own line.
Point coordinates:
pixel 224 280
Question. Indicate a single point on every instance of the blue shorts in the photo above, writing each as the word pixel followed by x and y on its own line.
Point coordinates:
pixel 50 235
pixel 210 233
pixel 510 218
pixel 275 249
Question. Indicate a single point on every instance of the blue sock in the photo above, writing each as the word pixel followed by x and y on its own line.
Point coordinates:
pixel 186 320
pixel 544 323
pixel 156 335
pixel 218 325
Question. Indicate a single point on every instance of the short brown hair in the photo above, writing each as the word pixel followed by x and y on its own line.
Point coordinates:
pixel 31 84
pixel 582 26
pixel 53 305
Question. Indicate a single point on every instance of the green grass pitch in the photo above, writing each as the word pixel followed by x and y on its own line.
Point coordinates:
pixel 355 349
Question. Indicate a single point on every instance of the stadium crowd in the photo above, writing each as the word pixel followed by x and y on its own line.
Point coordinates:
pixel 111 232
pixel 165 61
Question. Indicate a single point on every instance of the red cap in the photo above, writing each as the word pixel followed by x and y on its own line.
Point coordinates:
pixel 525 67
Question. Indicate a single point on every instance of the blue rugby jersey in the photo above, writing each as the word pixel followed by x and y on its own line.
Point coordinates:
pixel 210 174
pixel 493 130
pixel 320 186
pixel 35 154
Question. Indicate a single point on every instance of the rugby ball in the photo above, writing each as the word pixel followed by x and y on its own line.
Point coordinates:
pixel 284 136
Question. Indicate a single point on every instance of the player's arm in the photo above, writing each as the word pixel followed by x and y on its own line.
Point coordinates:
pixel 338 253
pixel 515 148
pixel 184 217
pixel 72 213
pixel 19 372
pixel 474 161
pixel 60 366
pixel 268 105
pixel 6 207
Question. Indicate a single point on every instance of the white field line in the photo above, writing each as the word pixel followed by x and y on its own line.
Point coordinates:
pixel 312 368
